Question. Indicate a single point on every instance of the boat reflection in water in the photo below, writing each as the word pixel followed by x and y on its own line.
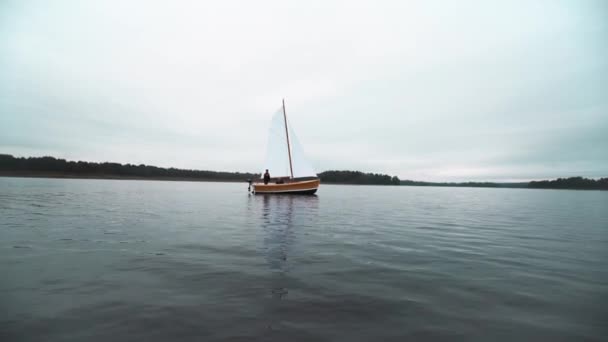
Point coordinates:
pixel 284 218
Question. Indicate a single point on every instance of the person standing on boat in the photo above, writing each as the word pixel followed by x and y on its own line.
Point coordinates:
pixel 266 177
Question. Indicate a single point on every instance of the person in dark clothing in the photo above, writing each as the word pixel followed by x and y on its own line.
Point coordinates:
pixel 266 177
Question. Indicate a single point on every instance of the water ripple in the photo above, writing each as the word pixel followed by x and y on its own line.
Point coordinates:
pixel 136 260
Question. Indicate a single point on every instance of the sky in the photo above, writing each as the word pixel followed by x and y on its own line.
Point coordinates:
pixel 425 90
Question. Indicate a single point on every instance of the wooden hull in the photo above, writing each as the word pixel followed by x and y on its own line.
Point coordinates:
pixel 307 187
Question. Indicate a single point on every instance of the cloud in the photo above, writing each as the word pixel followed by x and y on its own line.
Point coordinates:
pixel 424 90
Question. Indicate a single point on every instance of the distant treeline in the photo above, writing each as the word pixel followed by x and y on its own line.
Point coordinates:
pixel 53 167
pixel 357 177
pixel 571 183
pixel 466 184
pixel 578 183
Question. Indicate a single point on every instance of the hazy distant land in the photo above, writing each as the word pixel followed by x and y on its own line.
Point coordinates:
pixel 51 167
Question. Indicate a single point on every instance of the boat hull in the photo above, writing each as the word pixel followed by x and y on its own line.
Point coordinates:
pixel 307 187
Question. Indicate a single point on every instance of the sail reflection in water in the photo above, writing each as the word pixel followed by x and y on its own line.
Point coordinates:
pixel 280 214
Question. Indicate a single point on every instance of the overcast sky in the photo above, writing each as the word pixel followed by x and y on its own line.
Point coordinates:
pixel 425 90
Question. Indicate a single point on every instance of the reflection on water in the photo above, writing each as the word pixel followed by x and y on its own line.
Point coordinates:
pixel 279 215
pixel 278 235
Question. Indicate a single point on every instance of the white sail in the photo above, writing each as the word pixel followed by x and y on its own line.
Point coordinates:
pixel 301 165
pixel 277 154
pixel 277 157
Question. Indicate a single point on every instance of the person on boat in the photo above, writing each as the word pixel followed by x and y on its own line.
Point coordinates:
pixel 280 181
pixel 266 177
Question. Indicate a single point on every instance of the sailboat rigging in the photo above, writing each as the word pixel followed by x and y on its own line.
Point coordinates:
pixel 287 136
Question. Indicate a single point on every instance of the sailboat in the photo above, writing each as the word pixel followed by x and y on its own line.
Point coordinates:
pixel 290 171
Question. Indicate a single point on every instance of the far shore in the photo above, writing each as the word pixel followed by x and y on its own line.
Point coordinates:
pixel 112 177
pixel 56 175
pixel 50 167
pixel 119 177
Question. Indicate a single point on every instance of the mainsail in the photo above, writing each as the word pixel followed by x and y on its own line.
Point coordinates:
pixel 278 152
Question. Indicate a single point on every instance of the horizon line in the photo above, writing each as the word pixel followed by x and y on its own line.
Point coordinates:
pixel 351 170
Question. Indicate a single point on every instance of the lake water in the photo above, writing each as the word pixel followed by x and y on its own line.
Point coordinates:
pixel 110 260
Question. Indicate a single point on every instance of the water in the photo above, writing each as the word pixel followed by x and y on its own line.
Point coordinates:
pixel 99 260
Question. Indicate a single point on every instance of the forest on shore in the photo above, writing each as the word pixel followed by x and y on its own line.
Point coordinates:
pixel 61 168
pixel 575 183
pixel 357 177
pixel 53 167
pixel 579 183
pixel 467 184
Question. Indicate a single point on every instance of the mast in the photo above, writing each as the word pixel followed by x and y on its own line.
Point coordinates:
pixel 287 135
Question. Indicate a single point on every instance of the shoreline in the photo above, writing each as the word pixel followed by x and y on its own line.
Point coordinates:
pixel 114 177
pixel 51 175
pixel 50 167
